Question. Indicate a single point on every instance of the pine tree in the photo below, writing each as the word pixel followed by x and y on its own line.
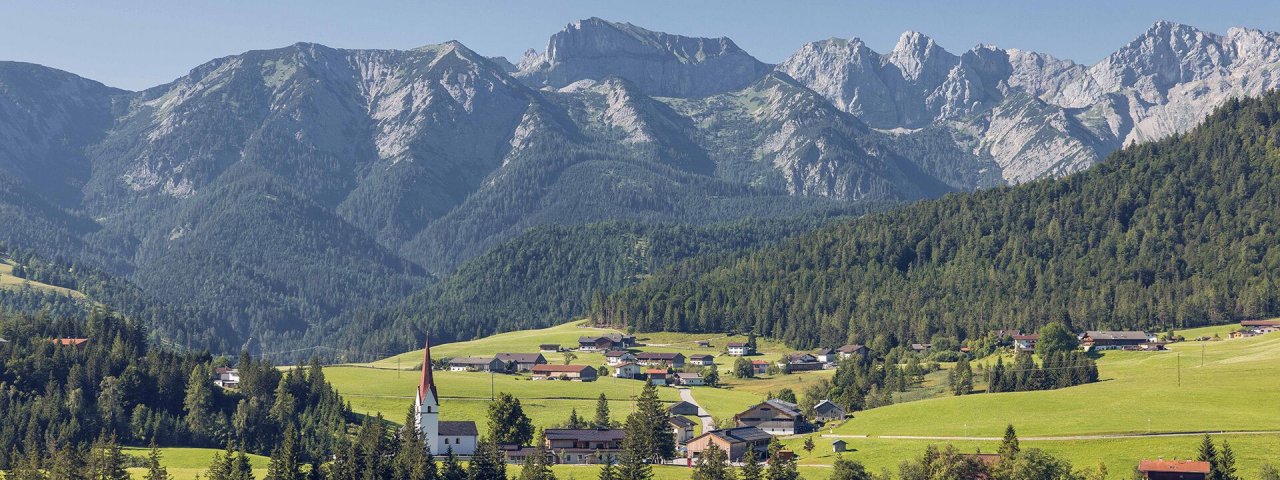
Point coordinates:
pixel 962 377
pixel 27 466
pixel 508 425
pixel 450 469
pixel 607 472
pixel 713 465
pixel 574 422
pixel 198 403
pixel 1009 444
pixel 845 469
pixel 537 463
pixel 241 467
pixel 781 467
pixel 412 461
pixel 220 467
pixel 488 463
pixel 602 412
pixel 808 444
pixel 1209 453
pixel 106 460
pixel 632 464
pixel 284 459
pixel 1226 467
pixel 649 424
pixel 67 463
pixel 750 466
pixel 155 471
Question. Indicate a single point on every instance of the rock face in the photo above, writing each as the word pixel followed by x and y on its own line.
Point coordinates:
pixel 1035 115
pixel 659 64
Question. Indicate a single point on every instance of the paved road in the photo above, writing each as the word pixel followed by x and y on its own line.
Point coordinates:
pixel 708 423
pixel 1067 438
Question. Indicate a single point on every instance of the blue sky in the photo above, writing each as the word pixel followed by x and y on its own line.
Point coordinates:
pixel 135 44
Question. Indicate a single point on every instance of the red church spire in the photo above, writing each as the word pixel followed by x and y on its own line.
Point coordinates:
pixel 428 382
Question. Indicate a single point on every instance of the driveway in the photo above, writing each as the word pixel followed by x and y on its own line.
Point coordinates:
pixel 708 423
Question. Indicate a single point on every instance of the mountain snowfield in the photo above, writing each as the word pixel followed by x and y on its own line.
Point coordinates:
pixel 283 188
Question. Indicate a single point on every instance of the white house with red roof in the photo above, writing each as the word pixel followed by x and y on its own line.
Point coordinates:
pixel 460 437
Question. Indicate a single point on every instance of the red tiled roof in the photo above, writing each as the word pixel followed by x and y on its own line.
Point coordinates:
pixel 1173 466
pixel 759 362
pixel 69 341
pixel 655 372
pixel 428 382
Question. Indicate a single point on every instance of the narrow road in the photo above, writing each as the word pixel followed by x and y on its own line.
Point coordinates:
pixel 1066 438
pixel 708 423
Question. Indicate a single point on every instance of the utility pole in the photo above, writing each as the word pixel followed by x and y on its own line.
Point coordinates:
pixel 1201 354
pixel 1179 369
pixel 491 385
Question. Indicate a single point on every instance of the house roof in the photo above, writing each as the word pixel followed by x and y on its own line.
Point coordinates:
pixel 785 407
pixel 655 371
pixel 222 370
pixel 800 358
pixel 465 428
pixel 1027 337
pixel 615 353
pixel 740 434
pixel 736 344
pixel 827 404
pixel 839 442
pixel 1116 335
pixel 921 346
pixel 471 361
pixel 682 422
pixel 1173 466
pixel 69 341
pixel 427 383
pixel 549 345
pixel 521 357
pixel 546 368
pixel 679 404
pixel 824 351
pixel 688 376
pixel 658 356
pixel 759 362
pixel 850 348
pixel 628 364
pixel 586 434
pixel 701 356
pixel 1260 323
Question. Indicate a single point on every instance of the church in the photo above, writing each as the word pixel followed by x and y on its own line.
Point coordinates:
pixel 460 437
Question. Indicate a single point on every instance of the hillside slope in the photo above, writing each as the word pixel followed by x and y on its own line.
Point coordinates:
pixel 1170 234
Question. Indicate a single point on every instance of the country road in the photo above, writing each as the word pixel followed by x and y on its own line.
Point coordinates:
pixel 1064 438
pixel 708 423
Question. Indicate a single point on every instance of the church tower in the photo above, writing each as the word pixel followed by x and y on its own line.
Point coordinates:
pixel 427 404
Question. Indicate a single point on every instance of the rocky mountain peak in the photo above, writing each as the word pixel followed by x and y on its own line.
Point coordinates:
pixel 917 55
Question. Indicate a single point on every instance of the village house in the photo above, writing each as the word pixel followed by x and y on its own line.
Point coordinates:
pixel 682 429
pixel 618 357
pixel 799 362
pixel 1114 340
pixel 739 349
pixel 921 348
pixel 759 367
pixel 656 377
pixel 661 359
pixel 584 446
pixel 848 351
pixel 702 359
pixel 704 344
pixel 683 408
pixel 226 377
pixel 825 355
pixel 732 441
pixel 627 370
pixel 827 411
pixel 774 416
pixel 520 362
pixel 603 343
pixel 577 373
pixel 689 379
pixel 1250 328
pixel 1173 469
pixel 1025 343
pixel 460 437
pixel 476 364
pixel 549 348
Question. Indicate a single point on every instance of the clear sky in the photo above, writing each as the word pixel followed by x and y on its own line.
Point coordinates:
pixel 136 44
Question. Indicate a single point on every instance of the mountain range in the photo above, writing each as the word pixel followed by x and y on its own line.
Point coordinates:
pixel 279 190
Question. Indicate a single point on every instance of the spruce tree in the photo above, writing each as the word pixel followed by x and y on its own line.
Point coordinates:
pixel 508 425
pixel 241 467
pixel 488 463
pixel 450 469
pixel 649 424
pixel 1009 444
pixel 66 463
pixel 750 466
pixel 106 461
pixel 713 465
pixel 412 461
pixel 780 468
pixel 607 472
pixel 602 412
pixel 537 463
pixel 1226 467
pixel 574 422
pixel 633 464
pixel 220 467
pixel 1208 453
pixel 155 471
pixel 284 459
pixel 198 404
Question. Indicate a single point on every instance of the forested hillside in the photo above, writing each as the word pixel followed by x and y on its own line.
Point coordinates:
pixel 1171 234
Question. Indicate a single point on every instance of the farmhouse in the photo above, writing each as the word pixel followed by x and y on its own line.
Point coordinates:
pixel 759 367
pixel 520 362
pixel 1249 328
pixel 476 364
pixel 618 357
pixel 1114 340
pixel 683 408
pixel 577 373
pixel 1025 343
pixel 457 436
pixel 682 429
pixel 826 411
pixel 775 417
pixel 704 344
pixel 921 347
pixel 733 441
pixel 226 377
pixel 601 343
pixel 656 376
pixel 800 362
pixel 825 355
pixel 702 359
pixel 549 348
pixel 1173 469
pixel 689 379
pixel 739 349
pixel 850 350
pixel 661 359
pixel 627 370
pixel 584 446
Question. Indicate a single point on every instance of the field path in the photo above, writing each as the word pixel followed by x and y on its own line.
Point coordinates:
pixel 708 423
pixel 1067 438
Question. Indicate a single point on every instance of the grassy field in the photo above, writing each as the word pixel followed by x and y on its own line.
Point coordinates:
pixel 186 463
pixel 10 282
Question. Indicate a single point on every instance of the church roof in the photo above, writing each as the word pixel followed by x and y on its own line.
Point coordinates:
pixel 428 382
pixel 465 428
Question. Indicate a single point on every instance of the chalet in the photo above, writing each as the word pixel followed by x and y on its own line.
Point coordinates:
pixel 584 446
pixel 661 359
pixel 1258 327
pixel 1173 469
pixel 460 437
pixel 826 411
pixel 627 370
pixel 739 349
pixel 549 348
pixel 1025 343
pixel 689 379
pixel 800 362
pixel 683 408
pixel 656 377
pixel 759 367
pixel 775 417
pixel 602 343
pixel 226 377
pixel 1114 340
pixel 70 342
pixel 733 441
pixel 577 373
pixel 618 357
pixel 520 362
pixel 702 359
pixel 850 350
pixel 1260 323
pixel 921 348
pixel 825 355
pixel 476 364
pixel 682 428
pixel 704 344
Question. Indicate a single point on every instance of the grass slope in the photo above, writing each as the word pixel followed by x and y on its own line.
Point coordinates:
pixel 186 463
pixel 10 282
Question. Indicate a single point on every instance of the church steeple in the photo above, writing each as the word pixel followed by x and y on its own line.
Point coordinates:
pixel 427 384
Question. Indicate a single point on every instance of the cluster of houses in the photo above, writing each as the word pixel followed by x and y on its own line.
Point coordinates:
pixel 816 360
pixel 1253 328
pixel 1090 340
pixel 500 363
